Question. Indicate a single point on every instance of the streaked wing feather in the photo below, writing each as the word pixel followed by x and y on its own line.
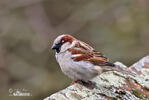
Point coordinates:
pixel 85 46
pixel 89 54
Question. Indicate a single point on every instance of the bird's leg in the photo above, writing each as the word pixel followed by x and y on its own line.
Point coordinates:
pixel 88 84
pixel 76 81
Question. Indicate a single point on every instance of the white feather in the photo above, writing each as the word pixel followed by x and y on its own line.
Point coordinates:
pixel 76 55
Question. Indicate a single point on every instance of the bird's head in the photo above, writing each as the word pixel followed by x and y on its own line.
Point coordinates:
pixel 63 42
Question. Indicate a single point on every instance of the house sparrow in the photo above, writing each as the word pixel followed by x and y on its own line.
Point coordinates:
pixel 78 60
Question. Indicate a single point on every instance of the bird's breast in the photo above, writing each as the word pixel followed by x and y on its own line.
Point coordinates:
pixel 76 70
pixel 64 60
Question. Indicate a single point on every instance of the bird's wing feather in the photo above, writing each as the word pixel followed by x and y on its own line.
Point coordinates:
pixel 84 52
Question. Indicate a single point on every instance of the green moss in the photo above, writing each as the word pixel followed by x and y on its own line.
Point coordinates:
pixel 139 94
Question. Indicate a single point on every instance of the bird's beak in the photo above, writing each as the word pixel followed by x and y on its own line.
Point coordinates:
pixel 56 46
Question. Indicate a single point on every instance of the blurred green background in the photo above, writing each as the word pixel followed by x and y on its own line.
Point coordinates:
pixel 117 28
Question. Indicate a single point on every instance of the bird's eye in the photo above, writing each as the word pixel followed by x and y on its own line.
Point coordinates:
pixel 62 41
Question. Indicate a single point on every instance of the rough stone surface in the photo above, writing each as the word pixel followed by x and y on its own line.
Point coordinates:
pixel 112 85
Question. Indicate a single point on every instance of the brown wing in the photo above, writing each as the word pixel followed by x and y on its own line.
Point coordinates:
pixel 87 53
pixel 98 59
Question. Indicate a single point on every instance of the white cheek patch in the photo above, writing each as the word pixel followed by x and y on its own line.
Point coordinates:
pixel 76 55
pixel 65 46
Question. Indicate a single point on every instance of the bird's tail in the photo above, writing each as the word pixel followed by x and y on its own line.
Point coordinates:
pixel 118 68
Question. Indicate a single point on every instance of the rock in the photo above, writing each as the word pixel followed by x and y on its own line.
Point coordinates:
pixel 112 85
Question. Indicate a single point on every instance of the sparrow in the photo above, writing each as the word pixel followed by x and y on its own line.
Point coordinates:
pixel 78 60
